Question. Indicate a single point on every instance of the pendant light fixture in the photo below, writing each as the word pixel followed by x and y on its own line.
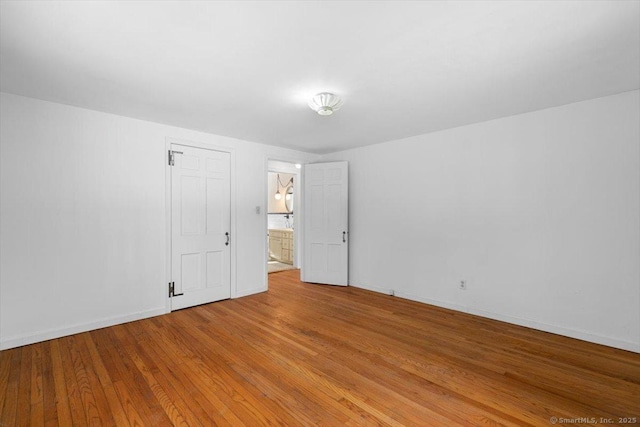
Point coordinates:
pixel 278 196
pixel 288 188
pixel 325 103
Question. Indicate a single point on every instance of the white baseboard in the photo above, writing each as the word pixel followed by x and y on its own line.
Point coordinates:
pixel 19 341
pixel 373 288
pixel 57 333
pixel 443 304
pixel 247 292
pixel 63 332
pixel 558 330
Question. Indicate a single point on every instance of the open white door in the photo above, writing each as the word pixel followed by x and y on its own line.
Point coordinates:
pixel 200 226
pixel 325 222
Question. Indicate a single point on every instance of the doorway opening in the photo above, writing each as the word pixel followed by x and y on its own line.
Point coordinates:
pixel 283 201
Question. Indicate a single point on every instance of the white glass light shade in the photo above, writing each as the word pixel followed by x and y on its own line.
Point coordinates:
pixel 325 103
pixel 278 196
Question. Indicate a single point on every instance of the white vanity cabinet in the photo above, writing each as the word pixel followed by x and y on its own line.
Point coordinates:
pixel 281 245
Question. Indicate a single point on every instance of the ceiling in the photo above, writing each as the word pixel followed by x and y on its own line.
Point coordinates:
pixel 247 69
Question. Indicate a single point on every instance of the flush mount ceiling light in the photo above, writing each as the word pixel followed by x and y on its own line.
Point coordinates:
pixel 325 103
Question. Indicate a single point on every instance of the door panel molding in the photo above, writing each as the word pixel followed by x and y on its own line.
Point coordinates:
pixel 326 223
pixel 168 215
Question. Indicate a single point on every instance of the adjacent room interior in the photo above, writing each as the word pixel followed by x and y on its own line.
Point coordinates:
pixel 319 213
pixel 283 191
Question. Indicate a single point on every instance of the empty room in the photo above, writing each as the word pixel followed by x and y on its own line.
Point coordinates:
pixel 301 213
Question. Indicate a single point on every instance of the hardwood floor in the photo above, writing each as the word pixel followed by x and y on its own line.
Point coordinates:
pixel 305 354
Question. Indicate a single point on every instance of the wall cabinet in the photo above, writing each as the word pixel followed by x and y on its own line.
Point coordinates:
pixel 281 245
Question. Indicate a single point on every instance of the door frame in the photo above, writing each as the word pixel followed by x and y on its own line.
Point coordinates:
pixel 232 214
pixel 298 236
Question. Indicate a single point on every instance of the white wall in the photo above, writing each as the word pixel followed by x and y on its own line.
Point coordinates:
pixel 539 213
pixel 278 221
pixel 82 217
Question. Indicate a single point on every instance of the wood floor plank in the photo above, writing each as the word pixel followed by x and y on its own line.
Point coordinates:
pixel 23 409
pixel 91 394
pixel 434 365
pixel 8 416
pixel 117 411
pixel 508 361
pixel 189 400
pixel 203 387
pixel 272 350
pixel 50 412
pixel 370 365
pixel 63 408
pixel 94 393
pixel 74 397
pixel 412 340
pixel 433 362
pixel 263 375
pixel 179 416
pixel 303 354
pixel 233 390
pixel 113 383
pixel 5 368
pixel 137 398
pixel 37 391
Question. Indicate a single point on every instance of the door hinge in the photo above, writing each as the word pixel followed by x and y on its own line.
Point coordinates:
pixel 172 293
pixel 172 157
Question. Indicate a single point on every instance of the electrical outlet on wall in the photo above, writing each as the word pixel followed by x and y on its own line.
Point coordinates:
pixel 463 285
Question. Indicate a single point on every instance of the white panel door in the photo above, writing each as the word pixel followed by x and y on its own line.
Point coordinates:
pixel 200 226
pixel 325 222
